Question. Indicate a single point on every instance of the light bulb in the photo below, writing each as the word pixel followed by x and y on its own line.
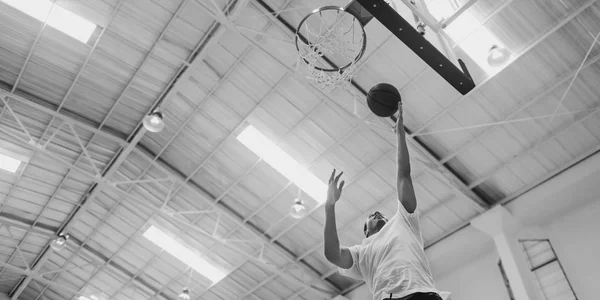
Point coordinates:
pixel 154 122
pixel 185 294
pixel 59 243
pixel 498 56
pixel 298 210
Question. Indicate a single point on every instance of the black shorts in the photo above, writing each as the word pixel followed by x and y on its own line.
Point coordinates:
pixel 418 296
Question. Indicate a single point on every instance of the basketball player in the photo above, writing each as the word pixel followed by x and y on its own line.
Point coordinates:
pixel 391 259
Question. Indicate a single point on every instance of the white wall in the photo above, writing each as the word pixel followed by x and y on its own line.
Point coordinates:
pixel 4 296
pixel 576 241
pixel 479 280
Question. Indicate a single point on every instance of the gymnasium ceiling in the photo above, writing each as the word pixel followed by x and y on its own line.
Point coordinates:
pixel 72 113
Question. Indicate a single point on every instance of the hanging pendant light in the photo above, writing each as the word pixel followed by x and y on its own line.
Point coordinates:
pixel 60 242
pixel 298 210
pixel 498 56
pixel 154 122
pixel 185 294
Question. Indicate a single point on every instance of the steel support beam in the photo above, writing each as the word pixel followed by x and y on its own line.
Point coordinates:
pixel 136 138
pixel 144 203
pixel 96 190
pixel 457 13
pixel 115 164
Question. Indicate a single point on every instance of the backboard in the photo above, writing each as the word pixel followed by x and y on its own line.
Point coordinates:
pixel 386 13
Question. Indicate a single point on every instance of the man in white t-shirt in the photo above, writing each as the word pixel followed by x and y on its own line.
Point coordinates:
pixel 391 259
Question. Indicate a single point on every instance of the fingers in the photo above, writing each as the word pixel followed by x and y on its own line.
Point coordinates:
pixel 331 177
pixel 342 185
pixel 399 109
pixel 338 177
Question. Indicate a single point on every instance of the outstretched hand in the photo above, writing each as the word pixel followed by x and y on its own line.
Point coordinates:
pixel 335 190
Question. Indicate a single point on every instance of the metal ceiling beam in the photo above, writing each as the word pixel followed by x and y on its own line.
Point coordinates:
pixel 44 230
pixel 41 260
pixel 160 165
pixel 65 116
pixel 132 147
pixel 447 21
pixel 96 190
pixel 526 50
pixel 220 31
pixel 116 161
pixel 165 168
pixel 142 174
pixel 210 39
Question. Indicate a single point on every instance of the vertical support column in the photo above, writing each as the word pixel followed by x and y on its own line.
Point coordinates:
pixel 502 227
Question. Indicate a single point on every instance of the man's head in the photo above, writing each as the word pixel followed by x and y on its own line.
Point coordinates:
pixel 374 223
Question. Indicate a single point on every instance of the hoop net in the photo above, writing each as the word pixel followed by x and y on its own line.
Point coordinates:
pixel 330 34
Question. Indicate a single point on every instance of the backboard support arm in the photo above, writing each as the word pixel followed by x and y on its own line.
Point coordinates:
pixel 368 9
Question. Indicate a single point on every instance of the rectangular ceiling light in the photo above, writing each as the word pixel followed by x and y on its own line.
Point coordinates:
pixel 184 254
pixel 60 18
pixel 466 32
pixel 283 163
pixel 9 164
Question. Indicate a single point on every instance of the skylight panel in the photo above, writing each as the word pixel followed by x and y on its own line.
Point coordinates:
pixel 184 254
pixel 283 163
pixel 9 164
pixel 467 32
pixel 60 18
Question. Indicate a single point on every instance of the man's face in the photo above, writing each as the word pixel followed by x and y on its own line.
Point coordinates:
pixel 374 223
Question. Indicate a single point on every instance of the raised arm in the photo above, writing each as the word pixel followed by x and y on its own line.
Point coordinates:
pixel 337 255
pixel 406 191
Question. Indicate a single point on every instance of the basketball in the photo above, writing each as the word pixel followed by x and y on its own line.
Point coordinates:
pixel 383 100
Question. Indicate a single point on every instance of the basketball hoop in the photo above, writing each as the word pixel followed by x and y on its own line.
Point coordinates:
pixel 331 40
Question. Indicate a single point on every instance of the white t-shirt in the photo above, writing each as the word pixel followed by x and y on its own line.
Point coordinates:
pixel 393 260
